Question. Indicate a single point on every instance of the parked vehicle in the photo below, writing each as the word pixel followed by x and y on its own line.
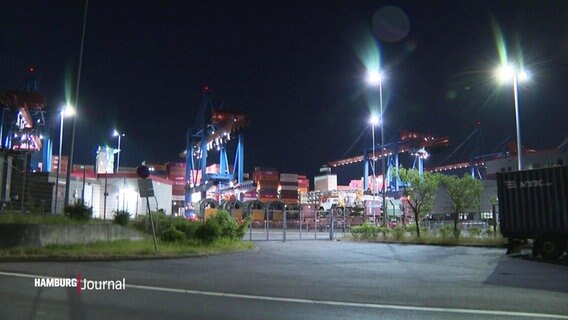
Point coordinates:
pixel 533 204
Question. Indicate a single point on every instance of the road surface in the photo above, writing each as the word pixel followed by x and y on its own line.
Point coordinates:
pixel 300 280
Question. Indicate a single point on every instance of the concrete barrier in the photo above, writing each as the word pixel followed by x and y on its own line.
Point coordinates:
pixel 39 235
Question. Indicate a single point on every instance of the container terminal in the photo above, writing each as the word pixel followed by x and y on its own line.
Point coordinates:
pixel 206 177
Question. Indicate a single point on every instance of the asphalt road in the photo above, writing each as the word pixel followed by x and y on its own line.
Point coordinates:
pixel 300 280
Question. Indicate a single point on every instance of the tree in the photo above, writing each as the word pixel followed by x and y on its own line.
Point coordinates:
pixel 420 192
pixel 464 194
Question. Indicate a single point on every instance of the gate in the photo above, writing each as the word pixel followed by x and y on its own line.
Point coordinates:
pixel 277 221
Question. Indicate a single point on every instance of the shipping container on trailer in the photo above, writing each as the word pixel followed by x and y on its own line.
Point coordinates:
pixel 533 204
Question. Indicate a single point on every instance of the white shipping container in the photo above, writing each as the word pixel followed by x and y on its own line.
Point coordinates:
pixel 289 188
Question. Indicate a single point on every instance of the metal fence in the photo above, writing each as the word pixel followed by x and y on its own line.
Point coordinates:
pixel 285 225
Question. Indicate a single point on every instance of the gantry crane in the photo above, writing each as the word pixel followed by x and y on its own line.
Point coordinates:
pixel 23 125
pixel 213 129
pixel 413 143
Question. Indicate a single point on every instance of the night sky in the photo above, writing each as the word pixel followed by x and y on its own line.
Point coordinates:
pixel 297 68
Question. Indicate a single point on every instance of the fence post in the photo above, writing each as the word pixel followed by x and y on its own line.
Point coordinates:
pixel 301 218
pixel 284 224
pixel 316 224
pixel 250 224
pixel 331 212
pixel 266 220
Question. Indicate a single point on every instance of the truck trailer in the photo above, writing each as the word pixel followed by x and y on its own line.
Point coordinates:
pixel 533 205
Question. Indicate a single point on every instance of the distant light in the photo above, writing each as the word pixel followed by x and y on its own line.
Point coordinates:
pixel 374 77
pixel 115 133
pixel 507 72
pixel 374 120
pixel 68 111
pixel 523 76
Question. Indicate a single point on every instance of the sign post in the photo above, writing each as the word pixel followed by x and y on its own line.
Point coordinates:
pixel 146 189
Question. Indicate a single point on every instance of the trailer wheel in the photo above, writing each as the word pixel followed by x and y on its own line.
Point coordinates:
pixel 550 247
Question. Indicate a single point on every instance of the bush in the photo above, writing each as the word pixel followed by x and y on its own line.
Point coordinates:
pixel 411 228
pixel 208 231
pixel 399 232
pixel 457 233
pixel 187 227
pixel 366 231
pixel 78 211
pixel 474 232
pixel 170 228
pixel 229 228
pixel 172 235
pixel 121 217
pixel 445 231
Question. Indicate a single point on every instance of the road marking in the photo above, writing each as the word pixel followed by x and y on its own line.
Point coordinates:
pixel 321 302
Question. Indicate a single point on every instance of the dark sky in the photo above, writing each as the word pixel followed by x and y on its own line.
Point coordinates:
pixel 297 69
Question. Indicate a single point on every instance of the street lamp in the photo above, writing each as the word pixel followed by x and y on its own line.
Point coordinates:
pixel 375 78
pixel 374 120
pixel 507 73
pixel 115 133
pixel 68 111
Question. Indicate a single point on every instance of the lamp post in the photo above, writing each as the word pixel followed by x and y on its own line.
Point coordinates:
pixel 68 111
pixel 374 121
pixel 2 128
pixel 115 133
pixel 504 74
pixel 375 78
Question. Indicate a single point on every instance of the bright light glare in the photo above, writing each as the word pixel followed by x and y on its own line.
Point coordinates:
pixel 68 111
pixel 374 120
pixel 374 77
pixel 505 73
pixel 115 133
pixel 523 76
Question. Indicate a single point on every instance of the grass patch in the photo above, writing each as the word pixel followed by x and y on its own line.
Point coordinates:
pixel 125 249
pixel 433 239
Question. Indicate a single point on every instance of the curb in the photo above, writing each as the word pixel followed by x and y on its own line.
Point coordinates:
pixel 117 258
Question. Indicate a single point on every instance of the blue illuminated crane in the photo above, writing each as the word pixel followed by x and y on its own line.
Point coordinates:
pixel 214 128
pixel 23 126
pixel 412 143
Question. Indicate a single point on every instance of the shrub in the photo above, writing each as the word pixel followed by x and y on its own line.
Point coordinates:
pixel 474 232
pixel 172 235
pixel 208 231
pixel 121 217
pixel 411 228
pixel 445 231
pixel 187 227
pixel 399 232
pixel 139 223
pixel 78 211
pixel 457 233
pixel 228 226
pixel 366 230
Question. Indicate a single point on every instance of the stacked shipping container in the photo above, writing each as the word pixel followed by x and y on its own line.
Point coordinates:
pixel 175 171
pixel 303 184
pixel 266 183
pixel 289 188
